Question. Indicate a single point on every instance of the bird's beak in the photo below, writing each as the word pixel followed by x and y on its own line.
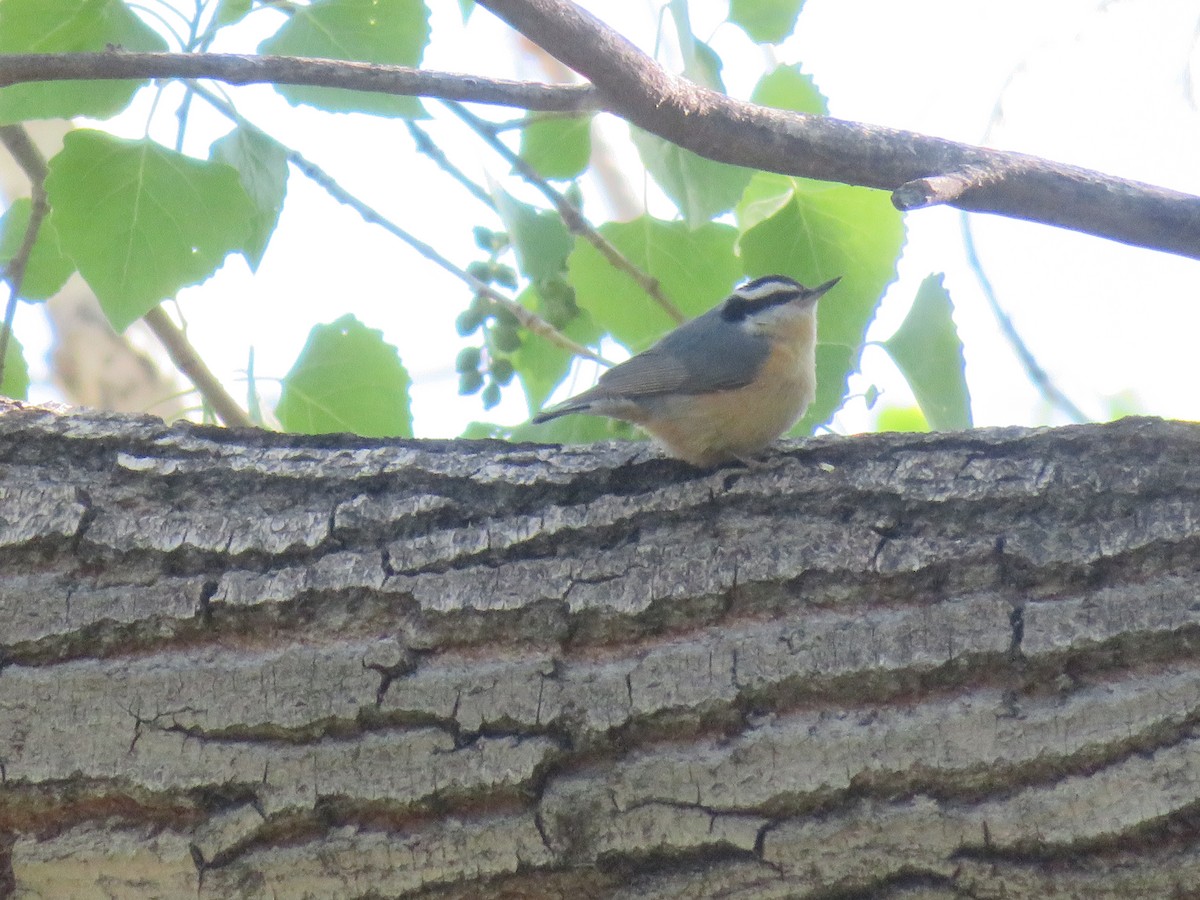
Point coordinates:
pixel 816 292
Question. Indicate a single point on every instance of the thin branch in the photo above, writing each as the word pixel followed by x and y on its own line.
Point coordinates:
pixel 1033 369
pixel 530 320
pixel 623 203
pixel 733 131
pixel 570 214
pixel 425 145
pixel 26 154
pixel 234 68
pixel 189 362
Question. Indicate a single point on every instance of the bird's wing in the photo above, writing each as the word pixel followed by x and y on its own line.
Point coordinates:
pixel 709 354
pixel 703 355
pixel 651 372
pixel 700 356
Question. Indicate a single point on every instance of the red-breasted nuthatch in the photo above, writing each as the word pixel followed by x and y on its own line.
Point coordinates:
pixel 724 385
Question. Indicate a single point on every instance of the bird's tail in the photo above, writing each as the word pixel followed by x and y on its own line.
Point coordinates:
pixel 562 409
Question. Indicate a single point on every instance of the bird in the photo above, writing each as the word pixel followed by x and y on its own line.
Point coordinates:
pixel 723 386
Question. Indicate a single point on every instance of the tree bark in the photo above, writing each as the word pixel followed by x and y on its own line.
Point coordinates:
pixel 251 664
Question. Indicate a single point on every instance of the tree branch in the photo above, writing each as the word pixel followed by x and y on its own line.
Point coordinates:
pixel 233 68
pixel 975 179
pixel 570 214
pixel 920 170
pixel 190 363
pixel 1034 371
pixel 333 665
pixel 425 144
pixel 531 321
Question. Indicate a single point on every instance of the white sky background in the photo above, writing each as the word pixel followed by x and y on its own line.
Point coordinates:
pixel 1106 85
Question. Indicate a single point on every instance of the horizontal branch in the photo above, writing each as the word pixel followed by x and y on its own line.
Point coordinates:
pixel 972 178
pixel 532 671
pixel 918 169
pixel 233 68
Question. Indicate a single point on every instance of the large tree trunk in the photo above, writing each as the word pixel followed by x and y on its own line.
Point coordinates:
pixel 270 665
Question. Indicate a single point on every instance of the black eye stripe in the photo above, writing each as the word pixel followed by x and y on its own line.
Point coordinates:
pixel 759 294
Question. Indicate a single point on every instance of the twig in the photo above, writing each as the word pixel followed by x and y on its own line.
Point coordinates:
pixel 425 144
pixel 571 215
pixel 235 68
pixel 1033 369
pixel 189 362
pixel 17 141
pixel 530 320
pixel 733 131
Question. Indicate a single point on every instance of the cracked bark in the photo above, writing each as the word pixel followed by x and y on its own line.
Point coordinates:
pixel 249 664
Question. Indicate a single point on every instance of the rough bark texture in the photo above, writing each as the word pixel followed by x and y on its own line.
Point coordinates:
pixel 249 664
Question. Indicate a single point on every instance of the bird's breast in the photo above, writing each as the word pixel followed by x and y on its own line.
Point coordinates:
pixel 706 429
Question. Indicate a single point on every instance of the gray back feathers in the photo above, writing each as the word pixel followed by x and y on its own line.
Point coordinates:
pixel 698 357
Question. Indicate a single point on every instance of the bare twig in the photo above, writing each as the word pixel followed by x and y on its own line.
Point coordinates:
pixel 189 362
pixel 425 144
pixel 570 214
pixel 238 69
pixel 1033 369
pixel 18 142
pixel 733 131
pixel 530 320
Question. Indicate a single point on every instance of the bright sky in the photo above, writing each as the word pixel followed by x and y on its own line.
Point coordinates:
pixel 1108 85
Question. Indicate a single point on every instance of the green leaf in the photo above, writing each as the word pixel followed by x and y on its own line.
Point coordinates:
pixel 557 147
pixel 231 11
pixel 695 269
pixel 700 187
pixel 813 231
pixel 347 378
pixel 377 31
pixel 929 353
pixel 539 237
pixel 786 87
pixel 700 63
pixel 69 26
pixel 896 418
pixel 707 66
pixel 141 221
pixel 466 7
pixel 47 270
pixel 262 168
pixel 15 383
pixel 765 21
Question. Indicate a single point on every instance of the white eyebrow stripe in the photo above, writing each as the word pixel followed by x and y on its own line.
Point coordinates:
pixel 770 289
